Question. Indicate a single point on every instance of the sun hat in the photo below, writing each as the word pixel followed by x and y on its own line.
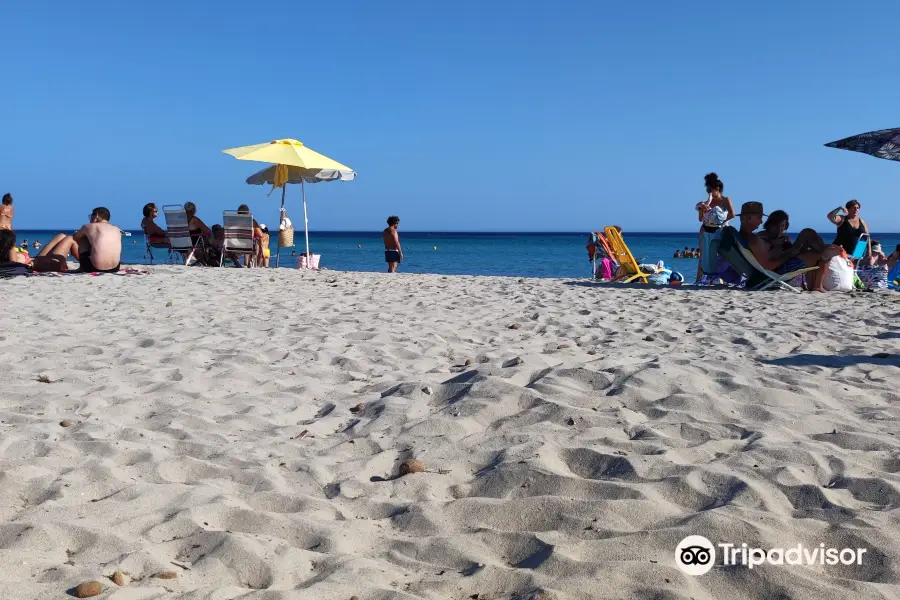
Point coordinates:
pixel 752 208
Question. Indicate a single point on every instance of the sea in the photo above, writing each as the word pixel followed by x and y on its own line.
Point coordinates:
pixel 503 254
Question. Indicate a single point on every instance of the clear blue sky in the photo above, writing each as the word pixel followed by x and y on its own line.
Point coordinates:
pixel 464 115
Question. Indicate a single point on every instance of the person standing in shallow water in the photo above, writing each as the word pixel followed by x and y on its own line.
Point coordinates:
pixel 393 253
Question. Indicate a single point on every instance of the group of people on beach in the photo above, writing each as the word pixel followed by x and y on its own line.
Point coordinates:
pixel 208 242
pixel 97 245
pixel 775 250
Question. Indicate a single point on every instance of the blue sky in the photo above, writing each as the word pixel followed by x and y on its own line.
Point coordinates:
pixel 500 115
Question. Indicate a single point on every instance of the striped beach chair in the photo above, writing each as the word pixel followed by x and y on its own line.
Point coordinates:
pixel 238 236
pixel 178 232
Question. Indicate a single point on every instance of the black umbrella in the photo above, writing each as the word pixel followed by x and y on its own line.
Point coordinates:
pixel 880 144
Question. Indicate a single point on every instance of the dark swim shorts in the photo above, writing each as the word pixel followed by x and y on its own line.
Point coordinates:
pixel 392 256
pixel 86 266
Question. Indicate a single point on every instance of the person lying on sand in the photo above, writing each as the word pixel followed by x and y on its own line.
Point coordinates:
pixel 808 250
pixel 97 247
pixel 9 253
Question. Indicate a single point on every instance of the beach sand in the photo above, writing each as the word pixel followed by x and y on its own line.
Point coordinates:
pixel 242 429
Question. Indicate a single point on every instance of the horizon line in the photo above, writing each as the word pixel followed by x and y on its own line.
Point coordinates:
pixel 448 231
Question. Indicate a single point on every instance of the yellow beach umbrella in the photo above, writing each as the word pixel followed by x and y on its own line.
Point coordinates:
pixel 294 163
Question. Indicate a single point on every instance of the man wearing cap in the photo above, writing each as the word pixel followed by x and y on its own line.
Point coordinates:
pixel 808 250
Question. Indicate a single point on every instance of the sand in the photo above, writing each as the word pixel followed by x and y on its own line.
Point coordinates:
pixel 243 429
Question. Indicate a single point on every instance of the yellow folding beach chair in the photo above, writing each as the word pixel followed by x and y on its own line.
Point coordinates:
pixel 630 268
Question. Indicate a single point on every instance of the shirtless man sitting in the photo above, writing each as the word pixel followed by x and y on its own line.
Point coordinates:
pixel 97 247
pixel 6 212
pixel 808 250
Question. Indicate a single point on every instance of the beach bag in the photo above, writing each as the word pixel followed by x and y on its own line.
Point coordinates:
pixel 285 231
pixel 874 277
pixel 839 277
pixel 303 263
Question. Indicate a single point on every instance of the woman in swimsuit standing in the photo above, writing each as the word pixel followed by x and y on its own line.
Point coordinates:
pixel 712 214
pixel 850 226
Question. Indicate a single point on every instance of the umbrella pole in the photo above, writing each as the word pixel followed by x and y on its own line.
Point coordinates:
pixel 306 225
pixel 278 252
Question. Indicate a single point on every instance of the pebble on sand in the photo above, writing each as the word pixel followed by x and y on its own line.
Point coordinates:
pixel 66 423
pixel 358 408
pixel 88 589
pixel 411 466
pixel 120 579
pixel 427 389
pixel 513 326
pixel 165 575
pixel 169 303
pixel 468 362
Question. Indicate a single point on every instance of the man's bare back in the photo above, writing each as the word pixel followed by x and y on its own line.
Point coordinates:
pixel 393 253
pixel 102 242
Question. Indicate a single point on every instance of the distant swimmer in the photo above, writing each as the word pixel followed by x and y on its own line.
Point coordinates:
pixel 359 245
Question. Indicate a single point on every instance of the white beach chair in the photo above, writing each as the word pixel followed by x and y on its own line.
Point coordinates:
pixel 179 233
pixel 238 236
pixel 774 278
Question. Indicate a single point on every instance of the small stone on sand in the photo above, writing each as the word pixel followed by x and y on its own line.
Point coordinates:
pixel 468 362
pixel 165 575
pixel 513 326
pixel 411 466
pixel 88 589
pixel 427 389
pixel 120 579
pixel 66 423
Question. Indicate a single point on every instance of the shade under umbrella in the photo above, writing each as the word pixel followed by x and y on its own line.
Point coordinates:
pixel 292 163
pixel 884 143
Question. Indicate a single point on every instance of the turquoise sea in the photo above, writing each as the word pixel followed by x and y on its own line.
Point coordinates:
pixel 513 254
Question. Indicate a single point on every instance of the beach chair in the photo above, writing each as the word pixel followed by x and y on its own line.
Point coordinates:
pixel 622 255
pixel 178 232
pixel 238 236
pixel 598 249
pixel 149 247
pixel 733 250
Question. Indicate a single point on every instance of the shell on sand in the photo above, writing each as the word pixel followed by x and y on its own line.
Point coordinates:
pixel 411 466
pixel 88 589
pixel 120 579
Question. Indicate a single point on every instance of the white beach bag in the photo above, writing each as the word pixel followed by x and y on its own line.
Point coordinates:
pixel 839 277
pixel 313 264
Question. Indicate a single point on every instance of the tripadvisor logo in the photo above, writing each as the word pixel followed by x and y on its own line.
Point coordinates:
pixel 696 555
